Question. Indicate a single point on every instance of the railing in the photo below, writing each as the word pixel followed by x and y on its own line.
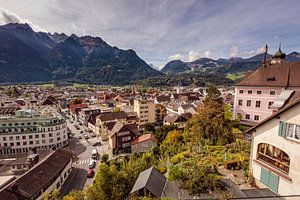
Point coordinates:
pixel 281 166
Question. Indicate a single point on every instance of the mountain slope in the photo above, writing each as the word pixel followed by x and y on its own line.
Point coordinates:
pixel 224 66
pixel 38 56
pixel 20 62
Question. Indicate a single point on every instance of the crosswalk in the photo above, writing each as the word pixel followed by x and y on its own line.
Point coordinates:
pixel 83 162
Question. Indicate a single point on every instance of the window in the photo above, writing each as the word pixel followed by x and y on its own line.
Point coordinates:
pixel 30 136
pixel 258 92
pixel 293 131
pixel 256 117
pixel 272 92
pixel 17 137
pixel 249 91
pixel 43 141
pixel 24 143
pixel 24 137
pixel 58 138
pixel 248 103
pixel 241 91
pixel 37 142
pixel 11 138
pixel 273 156
pixel 257 104
pixel 50 135
pixel 127 144
pixel 18 143
pixel 43 135
pixel 11 144
pixel 240 102
pixel 270 103
pixel 4 138
pixel 30 142
pixel 36 136
pixel 50 140
pixel 247 116
pixel 124 139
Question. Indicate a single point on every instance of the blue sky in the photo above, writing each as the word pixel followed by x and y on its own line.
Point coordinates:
pixel 162 30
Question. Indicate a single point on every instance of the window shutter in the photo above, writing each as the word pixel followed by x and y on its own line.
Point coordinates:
pixel 282 129
pixel 264 176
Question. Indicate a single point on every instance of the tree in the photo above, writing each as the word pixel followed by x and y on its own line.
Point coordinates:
pixel 54 195
pixel 210 124
pixel 162 131
pixel 104 158
pixel 76 101
pixel 149 127
pixel 75 195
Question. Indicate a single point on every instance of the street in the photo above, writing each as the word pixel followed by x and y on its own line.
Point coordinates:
pixel 78 180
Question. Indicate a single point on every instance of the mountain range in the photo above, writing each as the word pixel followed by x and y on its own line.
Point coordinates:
pixel 223 66
pixel 29 56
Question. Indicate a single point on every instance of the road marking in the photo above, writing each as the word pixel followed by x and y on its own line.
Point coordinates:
pixel 83 162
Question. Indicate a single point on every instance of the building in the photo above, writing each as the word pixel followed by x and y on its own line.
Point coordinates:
pixel 177 120
pixel 107 118
pixel 143 143
pixel 266 89
pixel 275 155
pixel 121 135
pixel 145 110
pixel 151 183
pixel 27 129
pixel 160 113
pixel 45 177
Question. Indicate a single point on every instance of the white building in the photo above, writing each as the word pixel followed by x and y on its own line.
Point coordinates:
pixel 27 129
pixel 275 155
pixel 50 174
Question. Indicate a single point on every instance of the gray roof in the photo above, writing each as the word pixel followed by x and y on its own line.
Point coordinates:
pixel 152 180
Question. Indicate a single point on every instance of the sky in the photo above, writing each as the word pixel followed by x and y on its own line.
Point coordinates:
pixel 164 30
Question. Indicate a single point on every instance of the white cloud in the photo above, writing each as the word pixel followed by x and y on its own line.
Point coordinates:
pixel 234 51
pixel 7 17
pixel 193 55
pixel 177 56
pixel 207 54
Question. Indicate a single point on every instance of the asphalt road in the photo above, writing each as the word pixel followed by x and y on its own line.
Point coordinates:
pixel 78 180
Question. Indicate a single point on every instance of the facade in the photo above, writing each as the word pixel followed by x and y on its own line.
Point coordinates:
pixel 266 90
pixel 275 155
pixel 177 120
pixel 160 113
pixel 143 143
pixel 121 135
pixel 50 174
pixel 27 129
pixel 145 110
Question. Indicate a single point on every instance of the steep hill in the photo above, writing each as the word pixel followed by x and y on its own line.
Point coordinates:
pixel 28 56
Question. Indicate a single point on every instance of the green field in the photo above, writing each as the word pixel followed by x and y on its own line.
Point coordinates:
pixel 235 76
pixel 47 85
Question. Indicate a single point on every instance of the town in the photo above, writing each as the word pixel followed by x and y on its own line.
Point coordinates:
pixel 60 139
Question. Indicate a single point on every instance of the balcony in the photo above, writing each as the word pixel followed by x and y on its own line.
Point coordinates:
pixel 275 163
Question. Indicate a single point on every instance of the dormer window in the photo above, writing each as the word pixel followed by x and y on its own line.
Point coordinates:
pixel 249 91
pixel 272 92
pixel 271 79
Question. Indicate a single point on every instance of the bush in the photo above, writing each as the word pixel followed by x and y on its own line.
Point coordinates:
pixel 104 158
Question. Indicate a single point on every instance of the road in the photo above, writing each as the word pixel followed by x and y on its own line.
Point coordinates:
pixel 78 180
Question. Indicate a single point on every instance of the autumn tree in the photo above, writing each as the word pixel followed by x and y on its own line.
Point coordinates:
pixel 210 124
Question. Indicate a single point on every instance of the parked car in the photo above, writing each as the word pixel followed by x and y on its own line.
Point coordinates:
pixel 93 134
pixel 90 173
pixel 92 164
pixel 86 136
pixel 79 137
pixel 96 144
pixel 81 132
pixel 80 124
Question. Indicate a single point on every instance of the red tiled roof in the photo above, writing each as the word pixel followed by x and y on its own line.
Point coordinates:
pixel 143 138
pixel 285 74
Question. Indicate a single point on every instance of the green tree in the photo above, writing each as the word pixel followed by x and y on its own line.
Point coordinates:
pixel 54 195
pixel 104 158
pixel 75 195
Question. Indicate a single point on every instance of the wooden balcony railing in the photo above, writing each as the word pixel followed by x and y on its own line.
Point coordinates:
pixel 281 166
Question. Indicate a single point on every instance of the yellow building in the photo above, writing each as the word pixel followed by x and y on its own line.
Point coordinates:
pixel 145 110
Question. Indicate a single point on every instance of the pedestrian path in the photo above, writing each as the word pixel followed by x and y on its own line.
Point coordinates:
pixel 83 162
